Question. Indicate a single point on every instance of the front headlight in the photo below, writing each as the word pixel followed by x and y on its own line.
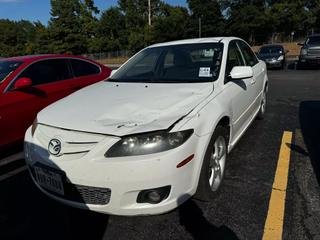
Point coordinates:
pixel 280 58
pixel 34 126
pixel 304 51
pixel 142 144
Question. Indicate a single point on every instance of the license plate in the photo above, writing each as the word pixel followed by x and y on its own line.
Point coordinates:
pixel 49 180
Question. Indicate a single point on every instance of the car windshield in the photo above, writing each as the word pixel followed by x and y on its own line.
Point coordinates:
pixel 271 50
pixel 313 40
pixel 173 64
pixel 7 67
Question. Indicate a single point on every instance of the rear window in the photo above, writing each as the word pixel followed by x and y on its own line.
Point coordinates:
pixel 269 50
pixel 83 68
pixel 7 67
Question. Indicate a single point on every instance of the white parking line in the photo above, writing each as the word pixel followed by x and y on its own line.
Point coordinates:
pixel 11 158
pixel 12 173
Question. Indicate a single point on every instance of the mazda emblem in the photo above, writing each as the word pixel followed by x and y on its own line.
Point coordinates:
pixel 54 147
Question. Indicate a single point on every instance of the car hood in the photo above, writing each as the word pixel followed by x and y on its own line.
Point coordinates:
pixel 125 108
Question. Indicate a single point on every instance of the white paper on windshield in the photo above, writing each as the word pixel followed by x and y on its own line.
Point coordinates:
pixel 204 72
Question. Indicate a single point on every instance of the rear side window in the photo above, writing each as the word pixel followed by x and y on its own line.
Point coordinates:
pixel 248 54
pixel 47 71
pixel 83 68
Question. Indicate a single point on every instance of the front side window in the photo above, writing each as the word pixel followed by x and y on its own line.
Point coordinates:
pixel 176 64
pixel 7 67
pixel 47 71
pixel 83 68
pixel 248 54
pixel 234 57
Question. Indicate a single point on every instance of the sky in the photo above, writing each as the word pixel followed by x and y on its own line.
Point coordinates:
pixel 35 10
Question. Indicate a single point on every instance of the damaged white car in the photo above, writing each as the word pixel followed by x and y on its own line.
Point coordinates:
pixel 155 133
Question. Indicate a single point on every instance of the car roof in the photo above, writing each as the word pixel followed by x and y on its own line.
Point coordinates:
pixel 195 41
pixel 31 58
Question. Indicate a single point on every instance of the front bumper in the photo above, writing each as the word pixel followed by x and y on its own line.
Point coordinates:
pixel 274 63
pixel 309 60
pixel 125 177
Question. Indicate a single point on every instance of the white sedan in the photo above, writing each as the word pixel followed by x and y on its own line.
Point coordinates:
pixel 157 132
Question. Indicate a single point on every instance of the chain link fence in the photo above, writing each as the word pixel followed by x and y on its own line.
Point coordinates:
pixel 111 58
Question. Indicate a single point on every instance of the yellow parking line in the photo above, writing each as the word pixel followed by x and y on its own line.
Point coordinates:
pixel 274 223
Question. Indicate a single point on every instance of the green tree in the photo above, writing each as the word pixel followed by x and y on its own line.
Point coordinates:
pixel 17 37
pixel 136 21
pixel 65 27
pixel 246 19
pixel 288 16
pixel 212 20
pixel 171 24
pixel 111 35
pixel 89 23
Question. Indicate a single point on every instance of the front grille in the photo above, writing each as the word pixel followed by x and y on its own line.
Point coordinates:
pixel 314 52
pixel 94 195
pixel 75 144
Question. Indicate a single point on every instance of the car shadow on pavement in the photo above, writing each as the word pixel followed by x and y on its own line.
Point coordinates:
pixel 297 149
pixel 309 116
pixel 26 213
pixel 194 221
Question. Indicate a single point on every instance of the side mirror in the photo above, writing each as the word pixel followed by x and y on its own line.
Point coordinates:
pixel 300 44
pixel 241 72
pixel 22 83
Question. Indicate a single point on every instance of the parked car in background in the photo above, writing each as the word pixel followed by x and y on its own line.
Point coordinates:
pixel 153 135
pixel 30 83
pixel 274 55
pixel 310 52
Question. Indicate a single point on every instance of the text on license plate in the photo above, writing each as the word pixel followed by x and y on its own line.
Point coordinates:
pixel 49 180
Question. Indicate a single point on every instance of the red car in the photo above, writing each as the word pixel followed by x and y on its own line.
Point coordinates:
pixel 30 83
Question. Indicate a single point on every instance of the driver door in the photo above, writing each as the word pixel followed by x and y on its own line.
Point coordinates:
pixel 240 91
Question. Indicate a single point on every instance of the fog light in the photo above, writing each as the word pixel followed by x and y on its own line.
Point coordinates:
pixel 153 196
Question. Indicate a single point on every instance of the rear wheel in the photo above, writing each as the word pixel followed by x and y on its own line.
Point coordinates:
pixel 213 167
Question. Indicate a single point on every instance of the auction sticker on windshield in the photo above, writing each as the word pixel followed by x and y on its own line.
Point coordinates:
pixel 204 72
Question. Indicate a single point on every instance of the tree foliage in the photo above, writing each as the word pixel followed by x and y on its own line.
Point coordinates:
pixel 78 26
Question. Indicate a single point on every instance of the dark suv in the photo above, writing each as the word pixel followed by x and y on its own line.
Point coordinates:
pixel 310 51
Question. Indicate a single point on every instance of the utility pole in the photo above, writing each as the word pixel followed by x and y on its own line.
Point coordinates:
pixel 149 12
pixel 199 27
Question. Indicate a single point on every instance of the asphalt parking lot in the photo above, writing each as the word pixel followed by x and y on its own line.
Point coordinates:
pixel 243 204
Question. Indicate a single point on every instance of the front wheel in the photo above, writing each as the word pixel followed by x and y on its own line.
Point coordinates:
pixel 213 167
pixel 263 105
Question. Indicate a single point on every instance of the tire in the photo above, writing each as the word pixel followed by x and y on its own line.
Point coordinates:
pixel 210 183
pixel 263 105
